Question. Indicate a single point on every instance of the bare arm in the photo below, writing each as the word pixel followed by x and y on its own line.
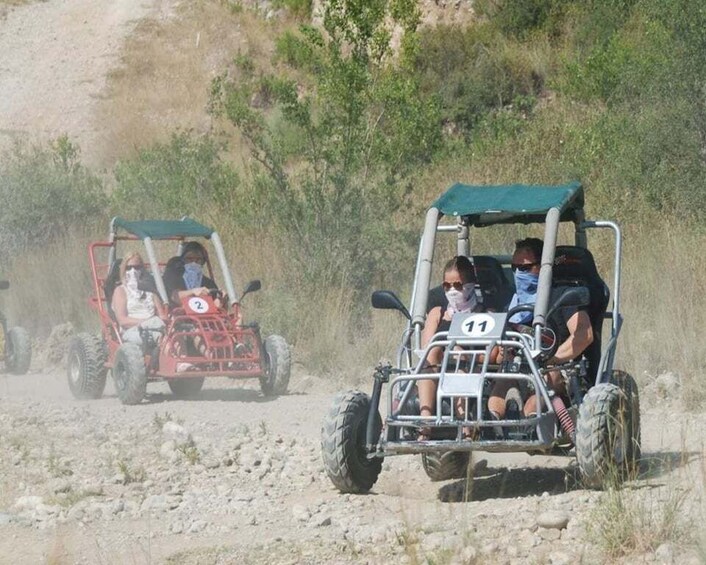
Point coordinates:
pixel 159 307
pixel 580 337
pixel 431 325
pixel 119 305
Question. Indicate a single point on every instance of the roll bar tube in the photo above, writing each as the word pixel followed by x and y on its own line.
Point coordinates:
pixel 157 275
pixel 227 280
pixel 616 266
pixel 544 286
pixel 422 277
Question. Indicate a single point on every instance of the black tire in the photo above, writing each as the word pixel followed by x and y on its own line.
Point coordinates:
pixel 129 374
pixel 18 351
pixel 343 444
pixel 604 437
pixel 626 383
pixel 445 466
pixel 186 388
pixel 86 370
pixel 277 366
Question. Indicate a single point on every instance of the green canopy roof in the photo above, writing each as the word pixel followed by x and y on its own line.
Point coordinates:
pixel 163 229
pixel 506 204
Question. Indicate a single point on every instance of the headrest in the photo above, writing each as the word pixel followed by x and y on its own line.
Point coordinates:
pixel 574 264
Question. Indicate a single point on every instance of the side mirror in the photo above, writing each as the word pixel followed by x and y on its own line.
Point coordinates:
pixel 252 286
pixel 4 285
pixel 387 300
pixel 571 297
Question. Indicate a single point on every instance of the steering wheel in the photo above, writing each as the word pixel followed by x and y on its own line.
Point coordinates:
pixel 549 334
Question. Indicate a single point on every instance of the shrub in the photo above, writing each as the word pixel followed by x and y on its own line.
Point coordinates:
pixel 44 192
pixel 474 72
pixel 185 176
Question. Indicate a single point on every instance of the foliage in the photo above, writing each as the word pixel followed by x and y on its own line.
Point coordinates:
pixel 362 127
pixel 300 8
pixel 45 191
pixel 174 179
pixel 474 71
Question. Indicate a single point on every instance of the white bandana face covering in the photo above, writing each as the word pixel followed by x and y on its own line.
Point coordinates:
pixel 131 281
pixel 461 300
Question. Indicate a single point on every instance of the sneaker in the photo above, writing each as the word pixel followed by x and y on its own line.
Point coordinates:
pixel 512 410
pixel 499 432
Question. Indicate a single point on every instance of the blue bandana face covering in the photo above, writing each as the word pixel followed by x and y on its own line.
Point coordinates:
pixel 193 274
pixel 525 293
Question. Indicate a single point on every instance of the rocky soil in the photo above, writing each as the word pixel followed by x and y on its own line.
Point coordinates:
pixel 234 477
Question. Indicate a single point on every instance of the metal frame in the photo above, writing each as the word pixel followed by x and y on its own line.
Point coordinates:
pixel 220 331
pixel 408 372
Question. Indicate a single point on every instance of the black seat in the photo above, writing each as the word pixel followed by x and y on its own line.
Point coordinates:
pixel 575 266
pixel 110 283
pixel 494 286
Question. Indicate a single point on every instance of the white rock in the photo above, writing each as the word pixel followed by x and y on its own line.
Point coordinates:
pixel 155 502
pixel 467 556
pixel 665 553
pixel 179 434
pixel 300 513
pixel 197 526
pixel 560 558
pixel 28 503
pixel 553 519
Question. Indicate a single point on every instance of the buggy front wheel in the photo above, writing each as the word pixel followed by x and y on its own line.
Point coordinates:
pixel 343 438
pixel 129 373
pixel 186 388
pixel 86 366
pixel 445 466
pixel 18 351
pixel 605 437
pixel 277 366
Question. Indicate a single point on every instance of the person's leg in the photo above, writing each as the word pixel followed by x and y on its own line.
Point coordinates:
pixel 555 382
pixel 496 401
pixel 427 390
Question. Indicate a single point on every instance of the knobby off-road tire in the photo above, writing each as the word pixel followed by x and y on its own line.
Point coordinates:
pixel 186 388
pixel 626 383
pixel 445 466
pixel 129 374
pixel 86 370
pixel 343 444
pixel 277 366
pixel 18 351
pixel 604 436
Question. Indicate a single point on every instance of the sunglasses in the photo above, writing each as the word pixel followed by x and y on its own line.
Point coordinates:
pixel 524 267
pixel 455 285
pixel 133 268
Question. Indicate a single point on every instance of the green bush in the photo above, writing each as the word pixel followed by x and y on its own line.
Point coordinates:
pixel 474 71
pixel 335 149
pixel 182 177
pixel 45 191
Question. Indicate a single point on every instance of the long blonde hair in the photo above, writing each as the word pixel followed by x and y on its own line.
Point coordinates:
pixel 126 259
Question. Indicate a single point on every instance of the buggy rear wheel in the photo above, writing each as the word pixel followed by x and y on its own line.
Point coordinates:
pixel 445 466
pixel 277 366
pixel 626 383
pixel 129 373
pixel 186 388
pixel 86 366
pixel 605 440
pixel 343 437
pixel 18 351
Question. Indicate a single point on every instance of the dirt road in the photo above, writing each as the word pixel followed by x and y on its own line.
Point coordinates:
pixel 233 477
pixel 55 56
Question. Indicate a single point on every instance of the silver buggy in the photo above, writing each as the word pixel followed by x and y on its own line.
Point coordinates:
pixel 600 421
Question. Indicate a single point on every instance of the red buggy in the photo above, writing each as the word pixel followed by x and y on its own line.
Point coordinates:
pixel 226 346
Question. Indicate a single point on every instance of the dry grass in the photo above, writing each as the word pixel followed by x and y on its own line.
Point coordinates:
pixel 626 522
pixel 167 66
